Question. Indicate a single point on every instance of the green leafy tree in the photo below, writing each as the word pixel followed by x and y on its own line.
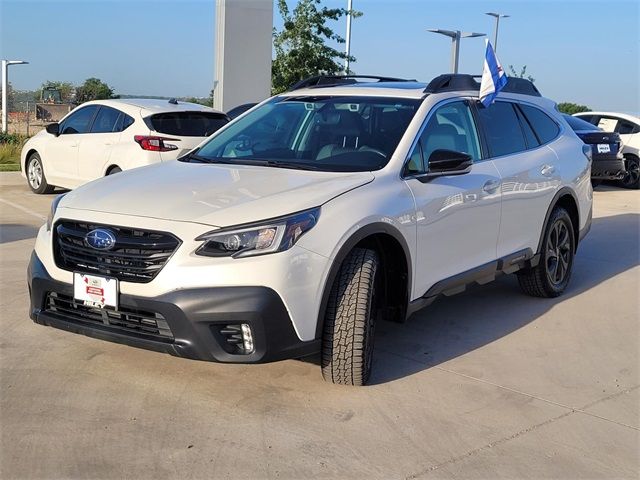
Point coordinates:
pixel 66 89
pixel 206 101
pixel 301 46
pixel 571 108
pixel 10 97
pixel 522 74
pixel 93 89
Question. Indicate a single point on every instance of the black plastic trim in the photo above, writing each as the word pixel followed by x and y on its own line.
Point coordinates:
pixel 190 314
pixel 560 193
pixel 357 237
pixel 483 274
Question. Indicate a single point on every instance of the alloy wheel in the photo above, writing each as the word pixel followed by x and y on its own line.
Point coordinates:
pixel 35 173
pixel 633 172
pixel 558 252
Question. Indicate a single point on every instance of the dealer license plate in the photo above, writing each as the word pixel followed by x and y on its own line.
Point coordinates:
pixel 95 291
pixel 604 148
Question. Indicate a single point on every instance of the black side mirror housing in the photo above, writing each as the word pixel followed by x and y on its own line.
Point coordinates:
pixel 53 129
pixel 449 162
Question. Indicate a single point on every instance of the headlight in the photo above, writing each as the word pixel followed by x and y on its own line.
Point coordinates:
pixel 270 236
pixel 52 212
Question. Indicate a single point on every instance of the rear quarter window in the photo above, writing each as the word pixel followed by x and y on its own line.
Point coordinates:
pixel 187 124
pixel 545 128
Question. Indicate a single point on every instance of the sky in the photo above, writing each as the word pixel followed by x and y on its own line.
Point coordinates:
pixel 582 51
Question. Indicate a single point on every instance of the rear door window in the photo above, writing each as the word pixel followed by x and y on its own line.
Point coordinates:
pixel 543 125
pixel 502 129
pixel 187 124
pixel 625 127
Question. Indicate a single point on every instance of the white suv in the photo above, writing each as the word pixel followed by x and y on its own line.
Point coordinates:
pixel 299 224
pixel 107 136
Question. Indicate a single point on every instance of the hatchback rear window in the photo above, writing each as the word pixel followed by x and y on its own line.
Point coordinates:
pixel 187 124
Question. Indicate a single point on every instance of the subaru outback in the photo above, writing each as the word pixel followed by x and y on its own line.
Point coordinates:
pixel 297 226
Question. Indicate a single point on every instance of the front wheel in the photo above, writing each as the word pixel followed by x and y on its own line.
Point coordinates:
pixel 347 340
pixel 35 175
pixel 551 276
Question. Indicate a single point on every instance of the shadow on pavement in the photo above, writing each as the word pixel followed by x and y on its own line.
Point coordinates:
pixel 12 232
pixel 454 326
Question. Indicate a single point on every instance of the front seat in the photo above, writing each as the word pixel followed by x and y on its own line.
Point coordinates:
pixel 347 133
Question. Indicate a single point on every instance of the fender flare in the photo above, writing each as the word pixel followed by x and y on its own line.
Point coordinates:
pixel 352 241
pixel 560 193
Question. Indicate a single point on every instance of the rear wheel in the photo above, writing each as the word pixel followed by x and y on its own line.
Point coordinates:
pixel 631 178
pixel 551 276
pixel 35 175
pixel 347 341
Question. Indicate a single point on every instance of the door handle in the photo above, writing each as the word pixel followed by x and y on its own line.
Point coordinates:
pixel 547 170
pixel 491 186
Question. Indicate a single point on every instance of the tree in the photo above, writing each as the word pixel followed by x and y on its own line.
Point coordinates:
pixel 522 74
pixel 10 98
pixel 66 89
pixel 301 49
pixel 571 108
pixel 206 101
pixel 93 89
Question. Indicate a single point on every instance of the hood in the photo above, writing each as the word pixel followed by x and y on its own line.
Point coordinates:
pixel 212 194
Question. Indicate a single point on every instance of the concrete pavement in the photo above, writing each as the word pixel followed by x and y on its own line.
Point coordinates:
pixel 488 384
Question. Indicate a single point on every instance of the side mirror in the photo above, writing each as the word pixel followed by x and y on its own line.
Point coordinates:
pixel 449 162
pixel 53 129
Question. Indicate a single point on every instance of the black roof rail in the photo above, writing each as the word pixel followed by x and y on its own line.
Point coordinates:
pixel 452 82
pixel 334 80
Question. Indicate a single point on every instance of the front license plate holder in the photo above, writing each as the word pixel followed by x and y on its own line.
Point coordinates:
pixel 95 291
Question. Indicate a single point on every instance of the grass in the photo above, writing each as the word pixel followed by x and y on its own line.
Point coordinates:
pixel 10 147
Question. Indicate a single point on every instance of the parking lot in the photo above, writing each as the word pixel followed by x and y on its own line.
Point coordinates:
pixel 488 384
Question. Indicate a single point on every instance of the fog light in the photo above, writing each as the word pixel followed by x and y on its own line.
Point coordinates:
pixel 247 338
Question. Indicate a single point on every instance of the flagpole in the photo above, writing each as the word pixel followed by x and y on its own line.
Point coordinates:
pixel 348 39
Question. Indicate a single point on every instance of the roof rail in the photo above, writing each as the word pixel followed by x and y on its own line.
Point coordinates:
pixel 334 80
pixel 451 82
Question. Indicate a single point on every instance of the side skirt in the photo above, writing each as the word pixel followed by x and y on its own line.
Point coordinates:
pixel 483 274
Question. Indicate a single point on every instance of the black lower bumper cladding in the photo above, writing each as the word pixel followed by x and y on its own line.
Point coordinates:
pixel 607 169
pixel 189 320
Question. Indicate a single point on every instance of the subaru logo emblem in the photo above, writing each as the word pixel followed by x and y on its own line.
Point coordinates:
pixel 100 239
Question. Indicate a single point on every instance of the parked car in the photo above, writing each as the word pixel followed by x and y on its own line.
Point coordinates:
pixel 608 162
pixel 107 136
pixel 628 127
pixel 239 110
pixel 297 226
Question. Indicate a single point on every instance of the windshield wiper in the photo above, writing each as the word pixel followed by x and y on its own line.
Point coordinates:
pixel 292 165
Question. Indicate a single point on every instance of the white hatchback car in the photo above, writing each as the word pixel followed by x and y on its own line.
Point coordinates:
pixel 297 226
pixel 628 127
pixel 107 136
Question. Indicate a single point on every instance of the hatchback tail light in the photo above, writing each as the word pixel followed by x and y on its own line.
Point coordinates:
pixel 156 144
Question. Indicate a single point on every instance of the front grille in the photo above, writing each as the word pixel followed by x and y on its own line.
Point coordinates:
pixel 130 321
pixel 138 255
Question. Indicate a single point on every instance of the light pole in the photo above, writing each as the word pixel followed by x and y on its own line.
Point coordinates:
pixel 5 88
pixel 455 36
pixel 348 39
pixel 497 16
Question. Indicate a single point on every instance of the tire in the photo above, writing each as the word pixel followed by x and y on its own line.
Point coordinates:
pixel 552 274
pixel 114 170
pixel 35 175
pixel 631 179
pixel 347 340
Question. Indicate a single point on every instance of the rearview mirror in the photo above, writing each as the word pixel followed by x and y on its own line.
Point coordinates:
pixel 53 129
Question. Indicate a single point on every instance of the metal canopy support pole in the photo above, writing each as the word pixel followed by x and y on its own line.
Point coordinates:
pixel 455 36
pixel 348 37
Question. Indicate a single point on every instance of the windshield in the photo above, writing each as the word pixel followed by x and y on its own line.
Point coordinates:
pixel 341 134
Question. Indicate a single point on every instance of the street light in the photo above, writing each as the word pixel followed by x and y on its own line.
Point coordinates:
pixel 5 88
pixel 348 39
pixel 455 36
pixel 497 16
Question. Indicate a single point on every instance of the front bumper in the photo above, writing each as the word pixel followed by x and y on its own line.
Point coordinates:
pixel 607 169
pixel 194 317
